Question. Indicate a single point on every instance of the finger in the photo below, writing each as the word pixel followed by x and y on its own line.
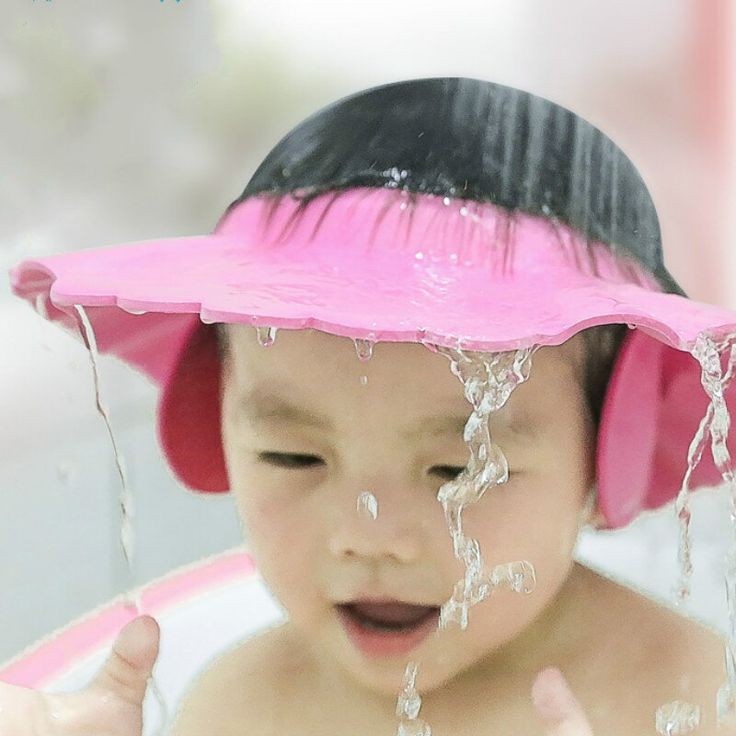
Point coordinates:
pixel 557 706
pixel 130 664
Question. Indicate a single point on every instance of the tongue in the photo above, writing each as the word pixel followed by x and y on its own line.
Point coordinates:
pixel 393 613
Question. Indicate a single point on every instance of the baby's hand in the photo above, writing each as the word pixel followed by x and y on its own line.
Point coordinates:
pixel 111 705
pixel 557 706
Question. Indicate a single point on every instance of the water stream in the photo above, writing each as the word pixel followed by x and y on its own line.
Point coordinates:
pixel 131 599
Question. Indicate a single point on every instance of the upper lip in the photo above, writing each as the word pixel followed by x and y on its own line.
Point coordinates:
pixel 378 600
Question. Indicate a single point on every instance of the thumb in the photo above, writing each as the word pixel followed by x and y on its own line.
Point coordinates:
pixel 130 664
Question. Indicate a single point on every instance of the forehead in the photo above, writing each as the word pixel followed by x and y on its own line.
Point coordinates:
pixel 320 364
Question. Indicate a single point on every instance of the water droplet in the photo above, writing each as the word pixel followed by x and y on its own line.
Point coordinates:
pixel 518 576
pixel 266 335
pixel 409 705
pixel 364 380
pixel 130 310
pixel 446 201
pixel 432 347
pixel 677 718
pixel 463 211
pixel 364 348
pixel 419 255
pixel 368 505
pixel 414 728
pixel 631 326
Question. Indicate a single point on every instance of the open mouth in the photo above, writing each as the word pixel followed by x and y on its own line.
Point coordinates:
pixel 387 628
pixel 388 617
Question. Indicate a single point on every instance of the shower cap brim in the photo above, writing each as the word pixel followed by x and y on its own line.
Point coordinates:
pixel 370 267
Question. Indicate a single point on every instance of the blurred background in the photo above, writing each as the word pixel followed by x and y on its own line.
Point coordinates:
pixel 137 120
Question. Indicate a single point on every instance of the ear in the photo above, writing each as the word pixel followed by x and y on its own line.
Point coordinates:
pixel 590 514
pixel 597 520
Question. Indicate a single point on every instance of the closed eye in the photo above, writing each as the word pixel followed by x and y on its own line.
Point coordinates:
pixel 450 471
pixel 293 461
pixel 288 460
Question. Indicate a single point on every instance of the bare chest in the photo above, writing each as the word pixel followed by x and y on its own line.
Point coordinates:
pixel 277 707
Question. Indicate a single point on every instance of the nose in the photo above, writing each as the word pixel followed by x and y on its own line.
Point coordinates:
pixel 394 535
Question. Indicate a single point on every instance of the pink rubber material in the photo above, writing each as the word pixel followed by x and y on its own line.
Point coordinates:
pixel 382 270
pixel 47 659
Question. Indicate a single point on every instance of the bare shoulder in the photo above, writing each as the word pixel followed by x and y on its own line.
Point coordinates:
pixel 239 687
pixel 692 664
pixel 658 656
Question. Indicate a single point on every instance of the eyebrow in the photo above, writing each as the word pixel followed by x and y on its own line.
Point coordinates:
pixel 265 408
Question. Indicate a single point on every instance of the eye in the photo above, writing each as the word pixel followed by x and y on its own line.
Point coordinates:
pixel 452 471
pixel 288 460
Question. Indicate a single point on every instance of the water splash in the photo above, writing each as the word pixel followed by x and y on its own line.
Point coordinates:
pixel 132 598
pixel 518 576
pixel 266 335
pixel 718 422
pixel 368 505
pixel 408 705
pixel 488 380
pixel 677 718
pixel 364 348
pixel 682 509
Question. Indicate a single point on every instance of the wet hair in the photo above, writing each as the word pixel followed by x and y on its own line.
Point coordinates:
pixel 475 140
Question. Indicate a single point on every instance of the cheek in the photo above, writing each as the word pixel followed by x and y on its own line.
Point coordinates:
pixel 281 540
pixel 530 518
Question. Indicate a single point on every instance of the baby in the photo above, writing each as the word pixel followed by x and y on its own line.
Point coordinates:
pixel 301 445
pixel 306 428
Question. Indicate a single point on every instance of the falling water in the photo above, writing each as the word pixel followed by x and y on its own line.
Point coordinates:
pixel 714 381
pixel 131 598
pixel 266 335
pixel 364 348
pixel 408 705
pixel 695 452
pixel 682 508
pixel 488 380
pixel 677 718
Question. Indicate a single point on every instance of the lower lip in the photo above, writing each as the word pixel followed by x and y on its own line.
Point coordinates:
pixel 375 643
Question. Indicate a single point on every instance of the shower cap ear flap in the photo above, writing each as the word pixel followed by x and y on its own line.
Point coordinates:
pixel 653 407
pixel 189 414
pixel 684 404
pixel 627 432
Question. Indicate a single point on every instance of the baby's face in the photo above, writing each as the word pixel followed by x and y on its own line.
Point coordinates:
pixel 313 547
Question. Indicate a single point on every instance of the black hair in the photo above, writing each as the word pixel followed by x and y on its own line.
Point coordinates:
pixel 476 140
